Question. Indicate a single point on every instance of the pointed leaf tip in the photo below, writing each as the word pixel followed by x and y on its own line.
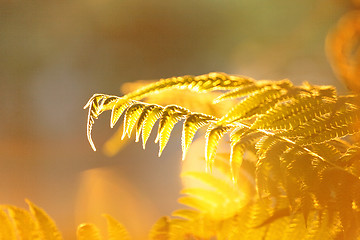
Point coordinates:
pixel 46 225
pixel 88 231
pixel 192 123
pixel 115 229
pixel 132 115
pixel 213 136
pixel 149 116
pixel 170 116
pixel 119 107
pixel 90 101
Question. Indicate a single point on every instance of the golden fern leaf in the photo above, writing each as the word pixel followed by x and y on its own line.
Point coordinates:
pixel 335 114
pixel 242 91
pixel 268 169
pixel 200 228
pixel 325 129
pixel 267 142
pixel 293 113
pixel 327 151
pixel 263 108
pixel 296 228
pixel 147 119
pixel 115 229
pixel 348 158
pixel 191 124
pixel 226 188
pixel 276 228
pixel 182 229
pixel 306 203
pixel 203 194
pixel 213 136
pixel 188 214
pixel 160 230
pixel 257 214
pixel 202 102
pixel 199 204
pixel 25 224
pixel 97 104
pixel 206 82
pixel 299 164
pixel 249 103
pixel 131 116
pixel 170 116
pixel 237 151
pixel 293 121
pixel 45 224
pixel 7 230
pixel 120 105
pixel 251 88
pixel 240 141
pixel 266 218
pixel 295 133
pixel 342 189
pixel 239 224
pixel 320 227
pixel 88 231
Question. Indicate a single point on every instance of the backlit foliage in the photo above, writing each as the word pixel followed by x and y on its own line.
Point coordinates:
pixel 292 170
pixel 20 224
pixel 306 167
pixel 225 211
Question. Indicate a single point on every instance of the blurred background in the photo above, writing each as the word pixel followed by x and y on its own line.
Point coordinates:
pixel 55 54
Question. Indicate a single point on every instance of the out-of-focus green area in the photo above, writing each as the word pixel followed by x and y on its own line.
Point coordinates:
pixel 55 54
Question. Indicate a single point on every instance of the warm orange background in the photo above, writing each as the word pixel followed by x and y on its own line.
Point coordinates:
pixel 55 54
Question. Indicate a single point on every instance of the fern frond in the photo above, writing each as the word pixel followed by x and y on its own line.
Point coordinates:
pixel 225 188
pixel 348 158
pixel 191 124
pixel 240 140
pixel 253 87
pixel 170 116
pixel 147 119
pixel 24 223
pixel 115 229
pixel 32 224
pixel 296 134
pixel 276 228
pixel 237 151
pixel 45 224
pixel 7 230
pixel 319 229
pixel 213 136
pixel 188 214
pixel 293 113
pixel 160 230
pixel 242 91
pixel 88 231
pixel 199 204
pixel 131 117
pixel 327 151
pixel 119 107
pixel 249 103
pixel 97 104
pixel 268 169
pixel 203 194
pixel 266 218
pixel 327 128
pixel 206 82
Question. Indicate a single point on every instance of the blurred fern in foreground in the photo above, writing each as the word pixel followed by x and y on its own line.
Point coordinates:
pixel 20 224
pixel 305 162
